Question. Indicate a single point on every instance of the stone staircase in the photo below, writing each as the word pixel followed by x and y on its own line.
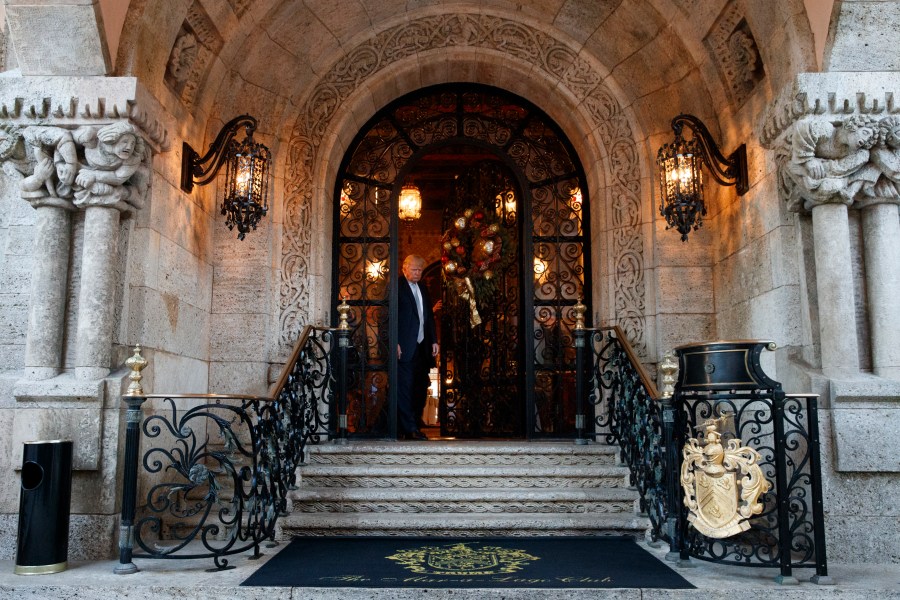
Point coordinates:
pixel 462 489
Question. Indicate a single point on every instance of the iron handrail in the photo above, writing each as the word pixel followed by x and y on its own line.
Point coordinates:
pixel 295 354
pixel 218 470
pixel 633 359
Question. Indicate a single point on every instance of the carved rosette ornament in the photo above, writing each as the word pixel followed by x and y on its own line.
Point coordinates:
pixel 722 484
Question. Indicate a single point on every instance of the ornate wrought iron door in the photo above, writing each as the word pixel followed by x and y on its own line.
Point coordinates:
pixel 481 370
pixel 532 381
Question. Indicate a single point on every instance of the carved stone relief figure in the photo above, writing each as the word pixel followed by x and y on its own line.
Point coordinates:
pixel 734 51
pixel 13 154
pixel 886 157
pixel 43 159
pixel 195 46
pixel 744 56
pixel 829 163
pixel 55 162
pixel 183 55
pixel 114 174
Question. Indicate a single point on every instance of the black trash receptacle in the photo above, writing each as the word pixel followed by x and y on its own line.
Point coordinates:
pixel 44 505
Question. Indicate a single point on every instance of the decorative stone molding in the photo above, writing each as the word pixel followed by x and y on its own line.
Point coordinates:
pixel 515 40
pixel 196 45
pixel 77 101
pixel 733 49
pixel 830 97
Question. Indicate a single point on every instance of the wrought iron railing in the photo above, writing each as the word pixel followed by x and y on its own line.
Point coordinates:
pixel 623 408
pixel 215 470
pixel 724 381
pixel 618 403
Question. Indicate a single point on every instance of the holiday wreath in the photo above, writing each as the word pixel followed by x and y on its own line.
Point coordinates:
pixel 473 251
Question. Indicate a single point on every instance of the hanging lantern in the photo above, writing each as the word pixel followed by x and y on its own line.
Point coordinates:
pixel 246 193
pixel 245 200
pixel 681 185
pixel 681 177
pixel 410 206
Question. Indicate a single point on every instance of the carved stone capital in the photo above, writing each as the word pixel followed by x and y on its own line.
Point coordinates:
pixel 834 146
pixel 94 165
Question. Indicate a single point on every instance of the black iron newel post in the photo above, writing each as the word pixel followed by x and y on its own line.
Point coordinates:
pixel 669 369
pixel 343 336
pixel 812 423
pixel 580 371
pixel 134 398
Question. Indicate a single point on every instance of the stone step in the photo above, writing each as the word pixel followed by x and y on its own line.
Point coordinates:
pixel 465 525
pixel 458 500
pixel 373 476
pixel 462 453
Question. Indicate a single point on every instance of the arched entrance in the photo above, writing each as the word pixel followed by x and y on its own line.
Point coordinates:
pixel 521 382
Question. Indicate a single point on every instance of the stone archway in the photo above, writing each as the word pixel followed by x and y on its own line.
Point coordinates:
pixel 580 82
pixel 508 373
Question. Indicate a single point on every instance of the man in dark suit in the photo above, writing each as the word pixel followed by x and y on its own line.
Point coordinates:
pixel 416 347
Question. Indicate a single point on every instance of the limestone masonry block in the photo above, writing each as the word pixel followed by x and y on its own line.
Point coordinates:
pixel 80 425
pixel 179 375
pixel 77 46
pixel 238 378
pixel 866 424
pixel 866 37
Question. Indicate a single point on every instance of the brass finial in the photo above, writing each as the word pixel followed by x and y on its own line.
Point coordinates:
pixel 344 315
pixel 136 363
pixel 579 310
pixel 669 369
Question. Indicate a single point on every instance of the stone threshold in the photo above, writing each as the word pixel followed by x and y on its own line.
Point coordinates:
pixel 190 579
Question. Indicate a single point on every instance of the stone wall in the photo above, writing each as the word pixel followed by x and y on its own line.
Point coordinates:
pixel 216 314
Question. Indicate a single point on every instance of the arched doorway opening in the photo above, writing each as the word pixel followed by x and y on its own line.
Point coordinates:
pixel 511 375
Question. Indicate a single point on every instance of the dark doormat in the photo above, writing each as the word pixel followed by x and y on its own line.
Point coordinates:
pixel 409 562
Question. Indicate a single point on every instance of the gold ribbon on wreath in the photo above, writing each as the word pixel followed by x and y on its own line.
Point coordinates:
pixel 466 291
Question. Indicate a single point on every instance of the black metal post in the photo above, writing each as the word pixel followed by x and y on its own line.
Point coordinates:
pixel 580 376
pixel 815 469
pixel 672 496
pixel 133 417
pixel 782 492
pixel 343 336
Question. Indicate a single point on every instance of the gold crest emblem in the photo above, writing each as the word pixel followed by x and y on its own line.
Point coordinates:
pixel 722 484
pixel 462 559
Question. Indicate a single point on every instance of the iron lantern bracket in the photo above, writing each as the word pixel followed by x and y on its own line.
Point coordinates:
pixel 200 170
pixel 728 171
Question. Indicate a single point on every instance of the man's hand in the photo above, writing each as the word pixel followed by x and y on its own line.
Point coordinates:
pixel 434 349
pixel 398 352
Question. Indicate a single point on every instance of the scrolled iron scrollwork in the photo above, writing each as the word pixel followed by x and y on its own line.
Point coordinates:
pixel 218 468
pixel 627 415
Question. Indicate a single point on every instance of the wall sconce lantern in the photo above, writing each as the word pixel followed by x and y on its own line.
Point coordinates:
pixel 246 173
pixel 681 177
pixel 410 206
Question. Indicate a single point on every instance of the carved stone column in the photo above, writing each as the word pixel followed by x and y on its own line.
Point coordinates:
pixel 837 309
pixel 43 160
pixel 104 170
pixel 93 349
pixel 43 346
pixel 881 236
pixel 114 180
pixel 836 138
